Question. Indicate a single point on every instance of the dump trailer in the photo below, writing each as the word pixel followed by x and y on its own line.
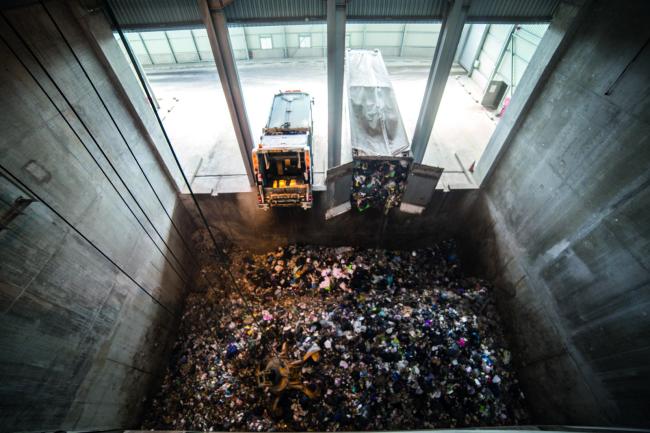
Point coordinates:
pixel 382 174
pixel 282 160
pixel 380 147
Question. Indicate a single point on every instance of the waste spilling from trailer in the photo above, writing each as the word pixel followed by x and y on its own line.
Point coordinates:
pixel 382 165
pixel 376 126
pixel 380 147
pixel 321 339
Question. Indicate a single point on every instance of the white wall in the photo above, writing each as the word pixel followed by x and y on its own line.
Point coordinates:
pixel 189 46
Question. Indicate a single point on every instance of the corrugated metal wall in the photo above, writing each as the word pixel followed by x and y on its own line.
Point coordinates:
pixel 138 14
pixel 275 10
pixel 156 13
pixel 489 53
pixel 189 46
pixel 511 10
pixel 519 50
pixel 382 9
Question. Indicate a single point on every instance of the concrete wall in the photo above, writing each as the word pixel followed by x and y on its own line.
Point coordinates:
pixel 562 225
pixel 237 217
pixel 285 40
pixel 565 227
pixel 80 342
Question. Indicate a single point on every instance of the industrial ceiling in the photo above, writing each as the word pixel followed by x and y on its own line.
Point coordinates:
pixel 142 14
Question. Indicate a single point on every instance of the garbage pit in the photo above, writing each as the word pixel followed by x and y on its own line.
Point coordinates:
pixel 371 339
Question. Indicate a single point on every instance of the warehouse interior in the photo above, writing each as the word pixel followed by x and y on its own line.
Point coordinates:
pixel 180 68
pixel 140 280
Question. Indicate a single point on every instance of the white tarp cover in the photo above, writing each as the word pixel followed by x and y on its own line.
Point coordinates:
pixel 376 127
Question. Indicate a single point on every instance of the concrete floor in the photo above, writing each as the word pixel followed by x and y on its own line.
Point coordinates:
pixel 195 114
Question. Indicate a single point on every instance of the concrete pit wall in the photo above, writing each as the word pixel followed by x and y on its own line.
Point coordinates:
pixel 80 342
pixel 237 217
pixel 564 228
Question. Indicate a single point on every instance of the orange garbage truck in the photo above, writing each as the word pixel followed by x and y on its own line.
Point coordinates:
pixel 282 160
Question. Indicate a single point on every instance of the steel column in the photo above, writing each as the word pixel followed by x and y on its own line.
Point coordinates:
pixel 486 30
pixel 196 46
pixel 215 24
pixel 512 64
pixel 335 67
pixel 248 55
pixel 171 49
pixel 497 63
pixel 450 33
pixel 286 47
pixel 140 69
pixel 401 44
pixel 146 49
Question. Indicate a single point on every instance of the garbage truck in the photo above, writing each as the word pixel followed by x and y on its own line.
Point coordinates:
pixel 282 161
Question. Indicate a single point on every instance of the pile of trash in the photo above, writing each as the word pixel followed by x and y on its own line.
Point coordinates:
pixel 378 183
pixel 377 340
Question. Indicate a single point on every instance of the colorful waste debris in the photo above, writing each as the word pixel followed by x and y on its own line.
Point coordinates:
pixel 395 340
pixel 378 182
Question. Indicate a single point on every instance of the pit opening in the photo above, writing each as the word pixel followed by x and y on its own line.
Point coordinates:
pixel 339 338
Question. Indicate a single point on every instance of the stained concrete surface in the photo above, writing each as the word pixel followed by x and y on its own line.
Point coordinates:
pixel 80 342
pixel 564 226
pixel 196 117
pixel 237 218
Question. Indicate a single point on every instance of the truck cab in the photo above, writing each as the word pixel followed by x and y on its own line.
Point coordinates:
pixel 282 160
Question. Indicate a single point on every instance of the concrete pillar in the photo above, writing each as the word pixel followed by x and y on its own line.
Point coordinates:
pixel 452 29
pixel 215 24
pixel 335 68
